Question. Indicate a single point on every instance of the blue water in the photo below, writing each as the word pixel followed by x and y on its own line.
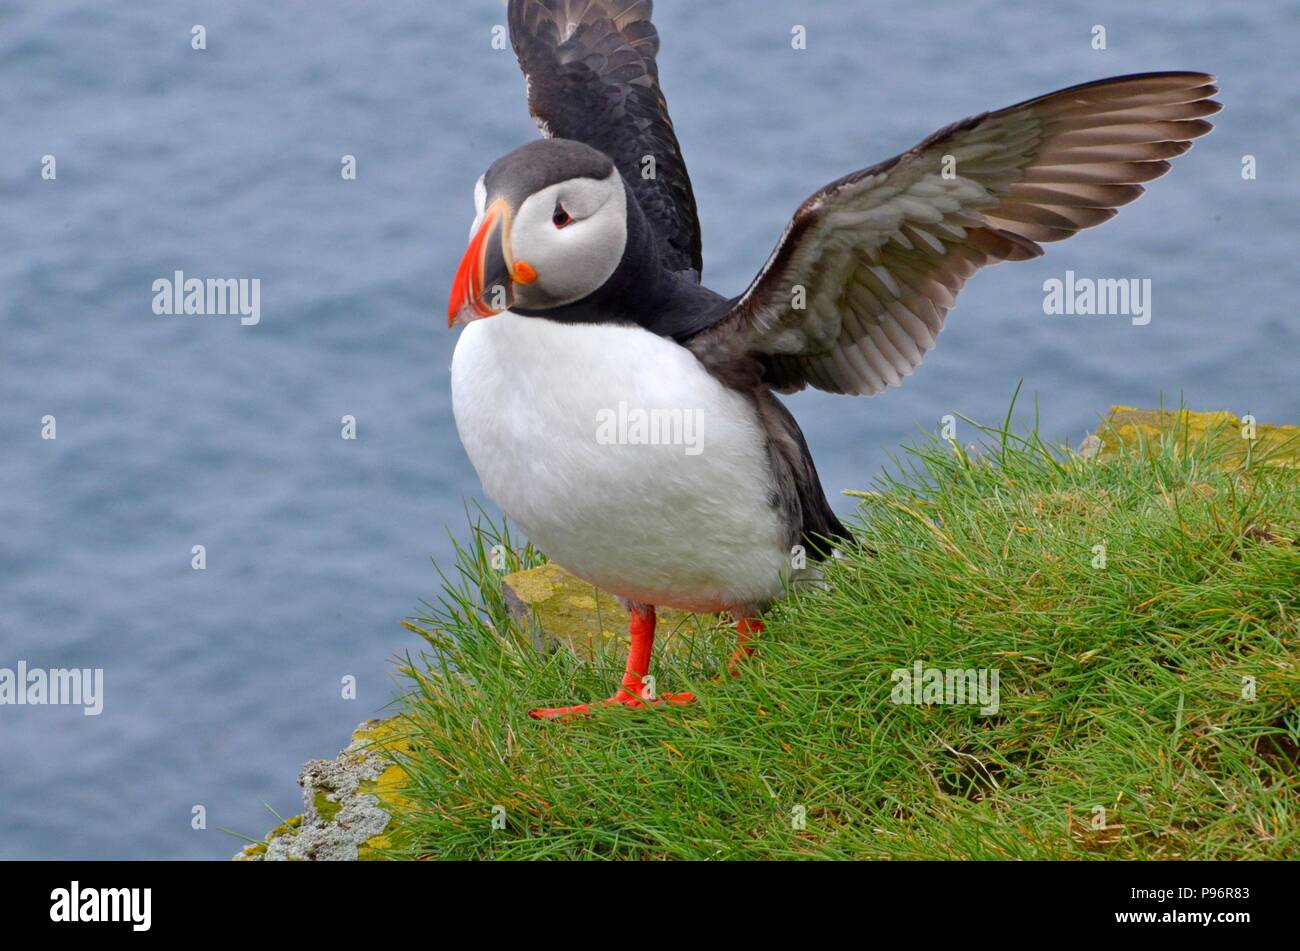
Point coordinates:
pixel 180 431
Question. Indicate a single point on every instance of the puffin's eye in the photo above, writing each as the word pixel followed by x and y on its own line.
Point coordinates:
pixel 560 217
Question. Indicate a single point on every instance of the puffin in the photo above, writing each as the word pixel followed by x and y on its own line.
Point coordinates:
pixel 627 417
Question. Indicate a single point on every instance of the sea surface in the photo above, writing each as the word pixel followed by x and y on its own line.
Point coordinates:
pixel 176 431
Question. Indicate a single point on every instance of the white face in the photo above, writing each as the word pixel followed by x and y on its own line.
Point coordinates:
pixel 572 234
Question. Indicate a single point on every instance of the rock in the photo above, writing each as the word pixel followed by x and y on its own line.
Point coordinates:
pixel 348 802
pixel 1128 426
pixel 563 611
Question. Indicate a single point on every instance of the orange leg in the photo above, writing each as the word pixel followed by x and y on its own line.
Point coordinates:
pixel 746 629
pixel 632 691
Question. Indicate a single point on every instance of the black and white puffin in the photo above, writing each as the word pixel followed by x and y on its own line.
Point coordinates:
pixel 585 255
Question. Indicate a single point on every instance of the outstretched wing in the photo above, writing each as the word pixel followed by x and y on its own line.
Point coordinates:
pixel 859 285
pixel 591 76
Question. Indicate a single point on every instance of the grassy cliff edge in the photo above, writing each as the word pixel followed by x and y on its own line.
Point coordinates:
pixel 1136 605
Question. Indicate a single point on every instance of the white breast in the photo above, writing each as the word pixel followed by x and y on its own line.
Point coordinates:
pixel 622 459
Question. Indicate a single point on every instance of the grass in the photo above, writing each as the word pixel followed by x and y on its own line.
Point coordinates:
pixel 1121 686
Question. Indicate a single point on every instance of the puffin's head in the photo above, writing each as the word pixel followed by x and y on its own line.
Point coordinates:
pixel 551 229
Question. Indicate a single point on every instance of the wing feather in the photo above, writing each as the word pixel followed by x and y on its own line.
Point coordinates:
pixel 858 288
pixel 591 75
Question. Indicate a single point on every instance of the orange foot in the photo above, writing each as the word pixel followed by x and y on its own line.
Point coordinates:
pixel 624 698
pixel 632 691
pixel 745 627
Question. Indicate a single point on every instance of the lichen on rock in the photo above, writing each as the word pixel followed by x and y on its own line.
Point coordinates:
pixel 1261 443
pixel 560 610
pixel 348 802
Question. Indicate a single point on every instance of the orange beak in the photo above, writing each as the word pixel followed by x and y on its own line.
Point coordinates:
pixel 485 281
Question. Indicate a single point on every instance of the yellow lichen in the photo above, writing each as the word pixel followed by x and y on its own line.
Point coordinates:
pixel 1264 445
pixel 577 615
